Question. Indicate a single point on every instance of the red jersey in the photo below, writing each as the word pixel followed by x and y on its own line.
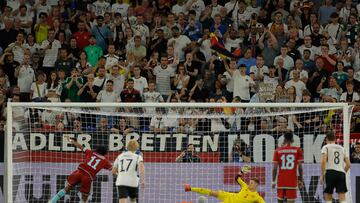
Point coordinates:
pixel 82 39
pixel 94 163
pixel 288 158
pixel 327 66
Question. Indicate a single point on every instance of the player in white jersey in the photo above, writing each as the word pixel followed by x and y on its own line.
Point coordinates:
pixel 126 167
pixel 334 165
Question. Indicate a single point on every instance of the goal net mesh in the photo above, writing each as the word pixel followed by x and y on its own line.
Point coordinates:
pixel 223 139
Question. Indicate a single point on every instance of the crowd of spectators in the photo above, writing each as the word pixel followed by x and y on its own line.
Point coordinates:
pixel 160 51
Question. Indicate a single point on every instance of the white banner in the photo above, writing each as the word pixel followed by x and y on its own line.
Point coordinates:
pixel 217 142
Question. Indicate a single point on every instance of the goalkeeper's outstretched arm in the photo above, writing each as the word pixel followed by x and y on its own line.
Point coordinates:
pixel 243 170
pixel 240 181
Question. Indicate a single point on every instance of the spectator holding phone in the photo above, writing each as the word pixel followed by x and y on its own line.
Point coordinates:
pixel 189 155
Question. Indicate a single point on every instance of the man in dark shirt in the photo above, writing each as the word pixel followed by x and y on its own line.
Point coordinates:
pixel 315 35
pixel 8 34
pixel 351 79
pixel 162 9
pixel 192 69
pixel 315 77
pixel 130 94
pixel 293 52
pixel 355 154
pixel 159 44
pixel 89 91
pixel 7 60
pixel 64 63
pixel 189 155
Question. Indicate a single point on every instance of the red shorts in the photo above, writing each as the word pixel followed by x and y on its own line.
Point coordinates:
pixel 289 194
pixel 81 177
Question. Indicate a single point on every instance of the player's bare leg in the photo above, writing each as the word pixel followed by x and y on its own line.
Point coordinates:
pixel 123 200
pixel 328 197
pixel 84 197
pixel 342 197
pixel 68 188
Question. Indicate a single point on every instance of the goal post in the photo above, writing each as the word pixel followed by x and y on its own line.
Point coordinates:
pixel 38 158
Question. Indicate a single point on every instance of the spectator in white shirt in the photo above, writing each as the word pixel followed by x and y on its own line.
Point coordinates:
pixel 345 11
pixel 141 29
pixel 241 16
pixel 179 42
pixel 272 79
pixel 231 6
pixel 297 83
pixel 299 66
pixel 158 123
pixel 25 77
pixel 38 88
pixel 164 76
pixel 179 7
pixel 215 8
pixel 288 61
pixel 242 82
pixel 101 79
pixel 307 45
pixel 228 80
pixel 100 7
pixel 334 29
pixel 41 7
pixel 54 87
pixel 349 96
pixel 31 45
pixel 253 8
pixel 111 58
pixel 120 7
pixel 17 48
pixel 197 5
pixel 152 96
pixel 50 47
pixel 182 78
pixel 25 18
pixel 108 95
pixel 118 76
pixel 259 69
pixel 140 82
pixel 308 30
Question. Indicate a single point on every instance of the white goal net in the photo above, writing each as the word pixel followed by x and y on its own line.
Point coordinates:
pixel 203 145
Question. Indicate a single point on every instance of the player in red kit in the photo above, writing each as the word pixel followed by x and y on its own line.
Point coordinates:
pixel 287 159
pixel 86 172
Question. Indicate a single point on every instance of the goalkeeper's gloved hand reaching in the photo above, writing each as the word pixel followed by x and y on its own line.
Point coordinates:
pixel 244 170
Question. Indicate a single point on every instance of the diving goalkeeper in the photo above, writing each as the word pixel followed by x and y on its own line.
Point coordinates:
pixel 247 194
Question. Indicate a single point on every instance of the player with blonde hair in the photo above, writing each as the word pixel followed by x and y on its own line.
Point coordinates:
pixel 127 166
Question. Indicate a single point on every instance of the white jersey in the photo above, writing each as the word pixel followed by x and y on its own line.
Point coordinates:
pixel 127 165
pixel 335 157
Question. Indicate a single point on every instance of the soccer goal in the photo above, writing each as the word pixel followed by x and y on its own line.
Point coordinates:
pixel 202 144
